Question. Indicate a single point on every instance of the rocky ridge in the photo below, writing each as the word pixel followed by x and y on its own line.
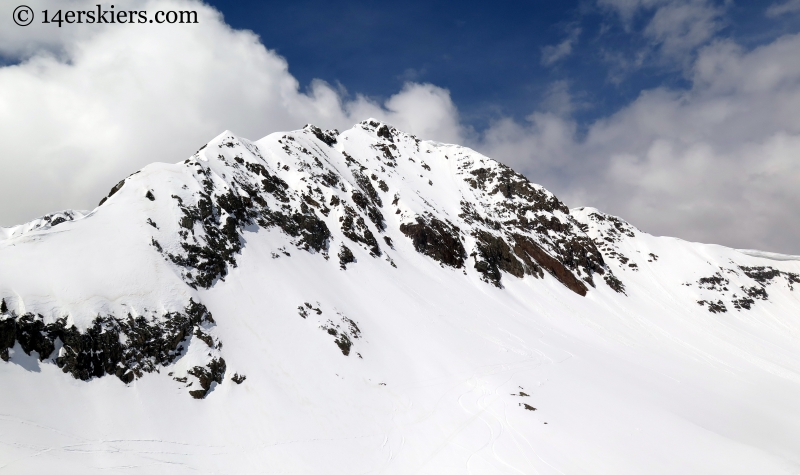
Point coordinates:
pixel 319 191
pixel 735 286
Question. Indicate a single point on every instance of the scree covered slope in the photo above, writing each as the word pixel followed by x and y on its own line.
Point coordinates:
pixel 367 302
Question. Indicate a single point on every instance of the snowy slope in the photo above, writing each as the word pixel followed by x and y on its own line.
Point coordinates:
pixel 366 302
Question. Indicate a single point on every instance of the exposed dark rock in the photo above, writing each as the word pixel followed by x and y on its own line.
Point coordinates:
pixel 99 350
pixel 302 311
pixel 385 132
pixel 756 292
pixel 353 328
pixel 116 188
pixel 343 336
pixel 359 199
pixel 342 341
pixel 369 201
pixel 743 303
pixel 713 307
pixel 715 282
pixel 530 252
pixel 762 275
pixel 615 229
pixel 313 231
pixel 355 229
pixel 386 150
pixel 530 211
pixel 495 255
pixel 615 284
pixel 149 195
pixel 330 179
pixel 214 371
pixel 437 240
pixel 8 334
pixel 54 219
pixel 222 218
pixel 238 378
pixel 204 337
pixel 345 256
pixel 328 137
pixel 350 161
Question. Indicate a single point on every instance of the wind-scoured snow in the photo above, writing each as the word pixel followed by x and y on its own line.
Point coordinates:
pixel 367 302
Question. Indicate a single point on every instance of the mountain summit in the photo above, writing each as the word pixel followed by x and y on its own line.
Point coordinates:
pixel 368 302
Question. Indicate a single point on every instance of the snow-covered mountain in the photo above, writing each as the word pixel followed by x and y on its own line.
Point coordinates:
pixel 367 302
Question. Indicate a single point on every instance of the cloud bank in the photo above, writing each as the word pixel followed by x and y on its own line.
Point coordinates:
pixel 718 162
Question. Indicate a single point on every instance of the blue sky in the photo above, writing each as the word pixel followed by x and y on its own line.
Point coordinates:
pixel 491 56
pixel 679 116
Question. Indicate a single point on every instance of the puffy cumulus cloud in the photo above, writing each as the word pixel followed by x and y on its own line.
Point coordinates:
pixel 86 105
pixel 19 42
pixel 422 109
pixel 717 163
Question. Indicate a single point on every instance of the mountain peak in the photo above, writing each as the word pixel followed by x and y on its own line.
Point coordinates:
pixel 369 193
pixel 315 268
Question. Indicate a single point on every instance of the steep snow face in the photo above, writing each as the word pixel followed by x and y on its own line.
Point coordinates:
pixel 365 302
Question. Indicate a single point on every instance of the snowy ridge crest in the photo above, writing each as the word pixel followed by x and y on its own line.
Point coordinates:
pixel 44 223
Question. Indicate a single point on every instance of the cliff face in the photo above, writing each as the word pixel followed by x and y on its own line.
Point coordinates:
pixel 333 274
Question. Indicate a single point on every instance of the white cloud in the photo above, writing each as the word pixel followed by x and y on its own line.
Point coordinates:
pixel 778 9
pixel 84 109
pixel 554 53
pixel 674 29
pixel 679 27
